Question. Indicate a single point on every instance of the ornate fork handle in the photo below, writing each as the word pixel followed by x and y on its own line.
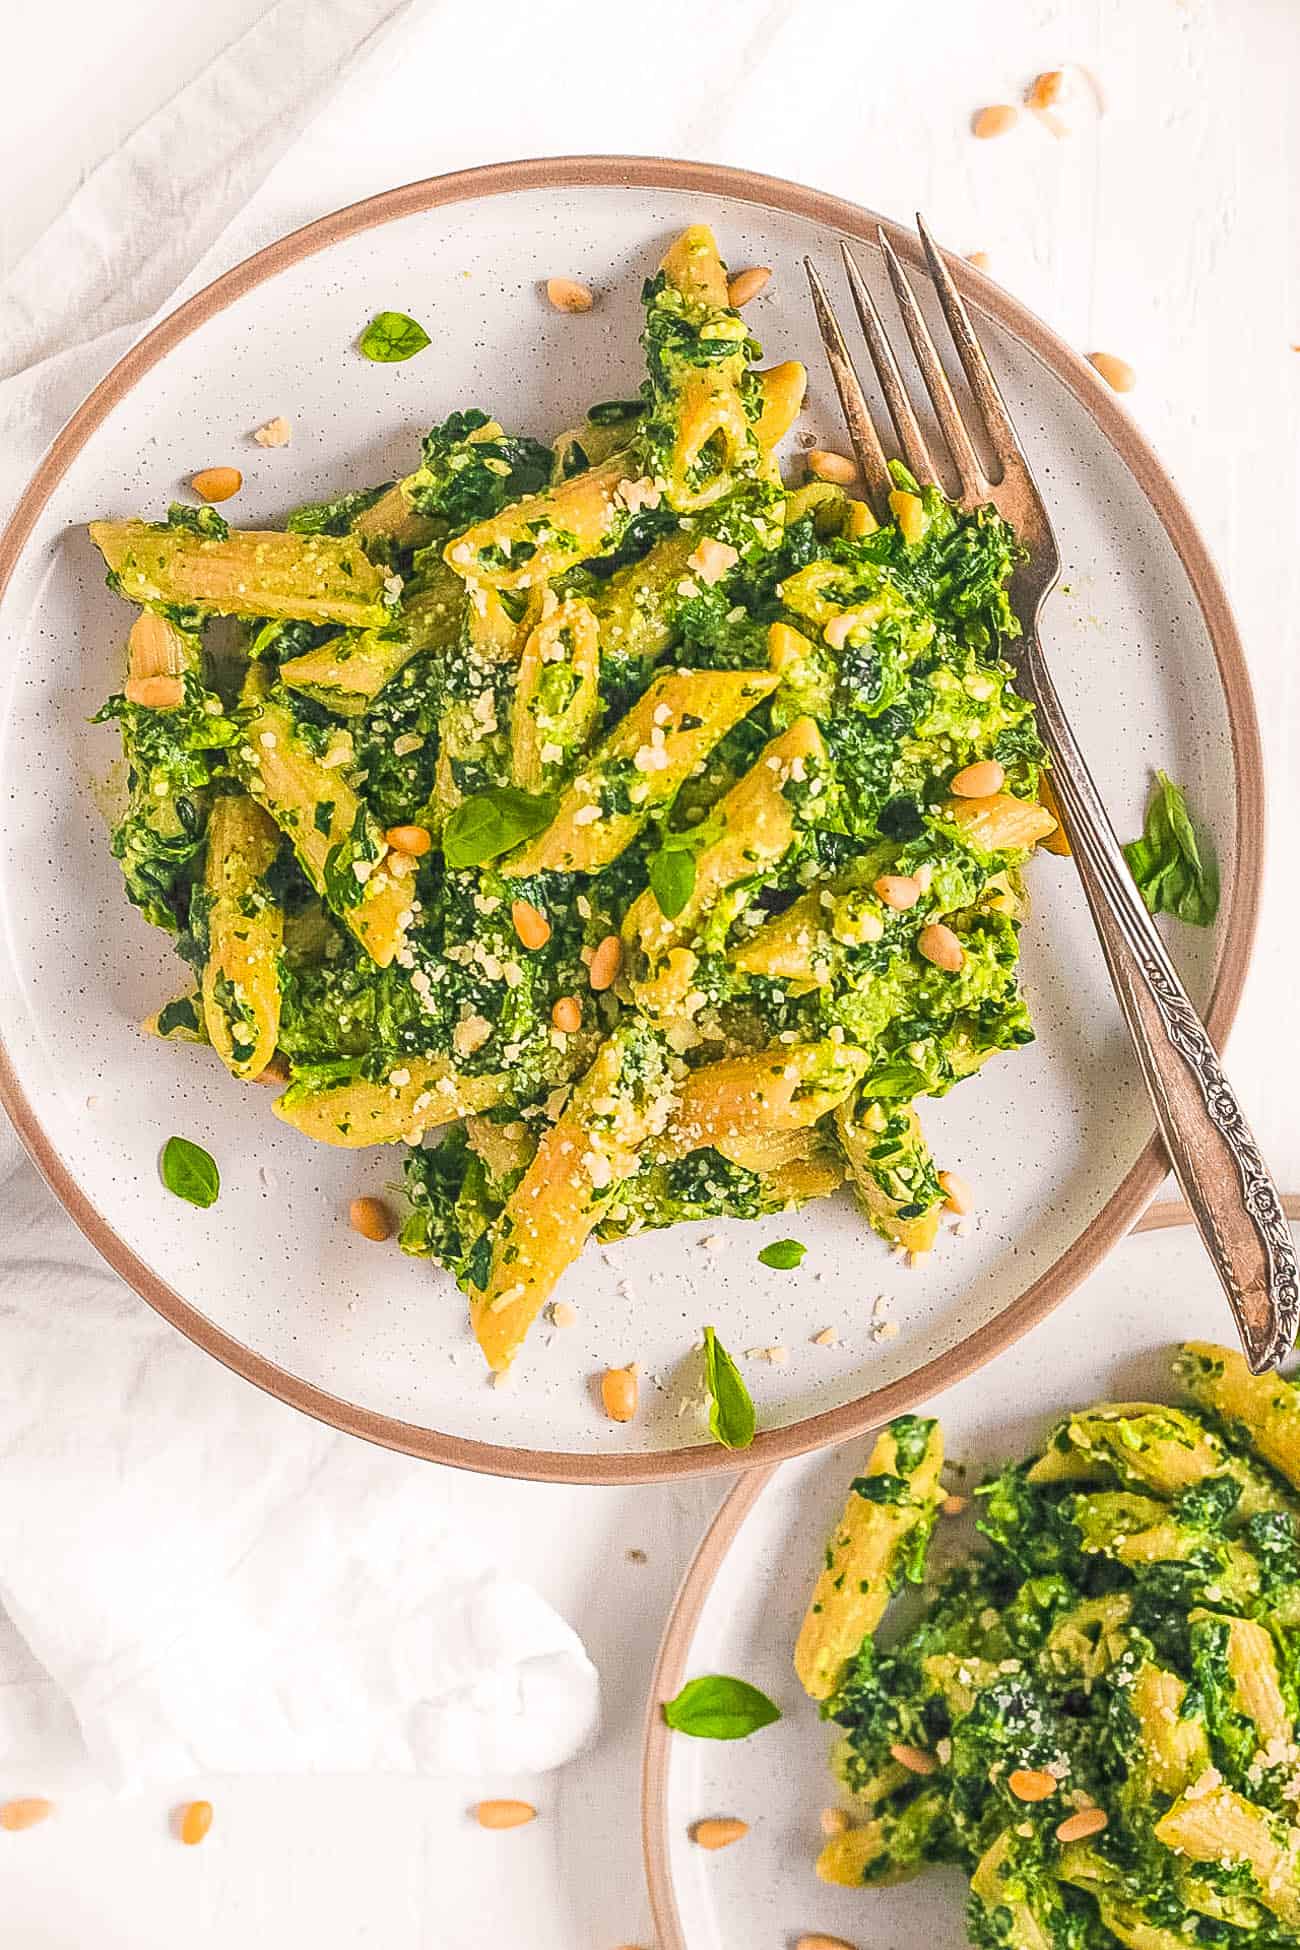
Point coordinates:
pixel 1215 1157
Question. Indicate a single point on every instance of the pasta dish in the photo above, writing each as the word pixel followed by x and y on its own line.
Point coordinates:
pixel 647 830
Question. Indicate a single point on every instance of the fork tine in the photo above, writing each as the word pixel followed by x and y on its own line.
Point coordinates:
pixel 910 437
pixel 975 488
pixel 979 373
pixel 862 428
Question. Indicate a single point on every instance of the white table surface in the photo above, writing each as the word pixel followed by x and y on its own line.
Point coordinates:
pixel 1177 247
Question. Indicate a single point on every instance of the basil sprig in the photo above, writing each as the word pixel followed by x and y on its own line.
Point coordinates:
pixel 391 337
pixel 718 1707
pixel 731 1410
pixel 1175 873
pixel 783 1254
pixel 189 1172
pixel 489 823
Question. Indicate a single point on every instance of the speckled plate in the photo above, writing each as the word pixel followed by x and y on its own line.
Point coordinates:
pixel 742 1600
pixel 1058 1139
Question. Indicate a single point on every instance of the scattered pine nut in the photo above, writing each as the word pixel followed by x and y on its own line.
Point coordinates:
pixel 719 1832
pixel 194 1822
pixel 1032 1783
pixel 898 890
pixel 504 1814
pixel 566 1014
pixel 957 1194
pixel 827 1338
pixel 827 466
pixel 980 259
pixel 25 1813
pixel 275 433
pixel 747 284
pixel 1045 90
pixel 160 693
pixel 833 1821
pixel 605 963
pixel 820 1941
pixel 997 120
pixel 408 839
pixel 914 1759
pixel 563 1315
pixel 619 1389
pixel 1117 373
pixel 938 945
pixel 566 294
pixel 371 1218
pixel 952 1506
pixel 978 781
pixel 1077 1828
pixel 530 924
pixel 216 483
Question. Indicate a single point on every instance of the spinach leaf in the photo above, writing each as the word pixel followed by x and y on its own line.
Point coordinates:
pixel 783 1254
pixel 189 1172
pixel 731 1411
pixel 337 516
pixel 391 337
pixel 718 1707
pixel 204 521
pixel 1174 873
pixel 489 823
pixel 672 879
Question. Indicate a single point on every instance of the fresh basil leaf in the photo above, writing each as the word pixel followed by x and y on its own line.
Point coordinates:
pixel 731 1411
pixel 189 1173
pixel 489 823
pixel 391 337
pixel 672 879
pixel 1174 871
pixel 783 1254
pixel 717 1707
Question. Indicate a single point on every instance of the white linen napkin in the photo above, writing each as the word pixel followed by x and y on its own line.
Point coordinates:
pixel 195 1578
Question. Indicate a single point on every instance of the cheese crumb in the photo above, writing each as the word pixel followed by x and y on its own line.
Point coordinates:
pixel 275 433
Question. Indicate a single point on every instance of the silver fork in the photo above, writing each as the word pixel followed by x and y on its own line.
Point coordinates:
pixel 1215 1158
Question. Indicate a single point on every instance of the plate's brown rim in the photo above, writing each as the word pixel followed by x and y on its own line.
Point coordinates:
pixel 1242 901
pixel 679 1634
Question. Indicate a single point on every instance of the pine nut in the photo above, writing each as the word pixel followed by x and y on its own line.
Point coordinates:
pixel 833 1821
pixel 719 1832
pixel 567 1014
pixel 154 693
pixel 952 1506
pixel 194 1823
pixel 371 1218
pixel 957 1194
pixel 747 284
pixel 216 483
pixel 820 1941
pixel 26 1813
pixel 619 1389
pixel 1117 373
pixel 1045 91
pixel 979 260
pixel 826 466
pixel 939 945
pixel 408 839
pixel 1077 1828
pixel 898 890
pixel 504 1814
pixel 978 781
pixel 563 1315
pixel 996 120
pixel 914 1759
pixel 1032 1784
pixel 566 294
pixel 530 924
pixel 605 963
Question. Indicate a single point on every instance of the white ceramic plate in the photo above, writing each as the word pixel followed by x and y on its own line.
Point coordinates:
pixel 1057 1140
pixel 740 1607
